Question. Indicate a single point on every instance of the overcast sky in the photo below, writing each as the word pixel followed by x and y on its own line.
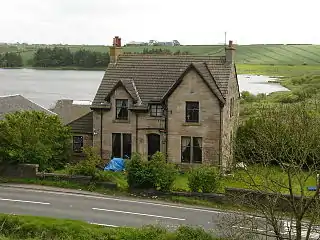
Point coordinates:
pixel 190 22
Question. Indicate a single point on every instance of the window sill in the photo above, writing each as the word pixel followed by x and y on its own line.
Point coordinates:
pixel 155 118
pixel 186 163
pixel 120 121
pixel 78 154
pixel 191 124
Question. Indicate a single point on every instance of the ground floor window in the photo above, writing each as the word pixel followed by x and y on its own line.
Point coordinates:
pixel 121 145
pixel 191 149
pixel 77 144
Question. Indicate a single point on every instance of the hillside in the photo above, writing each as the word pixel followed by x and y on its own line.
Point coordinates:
pixel 297 54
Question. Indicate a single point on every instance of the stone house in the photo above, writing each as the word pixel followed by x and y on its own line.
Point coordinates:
pixel 185 106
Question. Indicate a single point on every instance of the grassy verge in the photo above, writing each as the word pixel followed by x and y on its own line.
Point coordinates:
pixel 27 227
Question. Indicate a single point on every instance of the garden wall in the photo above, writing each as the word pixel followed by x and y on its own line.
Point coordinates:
pixel 31 171
pixel 19 171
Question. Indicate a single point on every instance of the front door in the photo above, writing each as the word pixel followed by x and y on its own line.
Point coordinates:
pixel 153 144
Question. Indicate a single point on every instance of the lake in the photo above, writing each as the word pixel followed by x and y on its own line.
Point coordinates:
pixel 45 87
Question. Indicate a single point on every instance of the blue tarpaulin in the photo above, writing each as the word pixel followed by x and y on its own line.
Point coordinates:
pixel 115 165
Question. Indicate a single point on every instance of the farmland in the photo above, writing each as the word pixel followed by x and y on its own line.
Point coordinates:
pixel 261 54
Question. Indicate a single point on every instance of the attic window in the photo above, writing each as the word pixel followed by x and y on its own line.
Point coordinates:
pixel 156 110
pixel 122 109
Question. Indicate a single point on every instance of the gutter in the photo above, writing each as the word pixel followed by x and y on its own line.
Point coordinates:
pixel 166 129
pixel 137 131
pixel 101 129
pixel 221 135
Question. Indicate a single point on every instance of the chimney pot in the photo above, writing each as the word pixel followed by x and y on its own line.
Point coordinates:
pixel 115 50
pixel 230 43
pixel 117 41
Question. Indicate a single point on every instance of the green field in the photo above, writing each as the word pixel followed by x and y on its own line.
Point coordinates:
pixel 274 54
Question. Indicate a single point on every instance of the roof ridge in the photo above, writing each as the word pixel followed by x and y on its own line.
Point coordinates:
pixel 172 55
pixel 12 95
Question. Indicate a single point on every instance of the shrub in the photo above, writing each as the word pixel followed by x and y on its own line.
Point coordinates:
pixel 163 173
pixel 155 173
pixel 139 174
pixel 34 138
pixel 27 227
pixel 205 179
pixel 88 166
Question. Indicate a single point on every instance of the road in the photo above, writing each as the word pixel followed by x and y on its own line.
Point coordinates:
pixel 116 212
pixel 109 211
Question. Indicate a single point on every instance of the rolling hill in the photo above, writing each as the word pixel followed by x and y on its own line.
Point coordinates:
pixel 274 54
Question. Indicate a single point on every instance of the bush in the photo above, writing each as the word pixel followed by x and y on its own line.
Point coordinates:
pixel 155 173
pixel 88 166
pixel 282 134
pixel 139 174
pixel 31 137
pixel 205 179
pixel 27 227
pixel 163 173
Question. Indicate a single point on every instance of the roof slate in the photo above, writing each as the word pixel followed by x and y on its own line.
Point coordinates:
pixel 15 103
pixel 83 124
pixel 154 75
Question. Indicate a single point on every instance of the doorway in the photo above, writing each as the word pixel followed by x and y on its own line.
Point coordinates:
pixel 153 144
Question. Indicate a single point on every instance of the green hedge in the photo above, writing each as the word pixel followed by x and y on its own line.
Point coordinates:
pixel 27 227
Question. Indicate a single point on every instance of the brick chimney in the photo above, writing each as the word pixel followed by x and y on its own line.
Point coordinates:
pixel 230 53
pixel 115 50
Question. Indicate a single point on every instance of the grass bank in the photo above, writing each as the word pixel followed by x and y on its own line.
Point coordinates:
pixel 27 227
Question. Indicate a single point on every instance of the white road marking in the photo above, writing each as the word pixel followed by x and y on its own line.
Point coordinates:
pixel 23 201
pixel 130 201
pixel 140 214
pixel 104 225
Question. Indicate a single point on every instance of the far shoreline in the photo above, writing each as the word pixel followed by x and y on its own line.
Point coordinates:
pixel 56 68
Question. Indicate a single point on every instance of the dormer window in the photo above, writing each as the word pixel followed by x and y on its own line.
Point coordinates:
pixel 156 110
pixel 122 112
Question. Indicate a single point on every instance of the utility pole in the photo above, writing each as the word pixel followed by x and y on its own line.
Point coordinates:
pixel 225 39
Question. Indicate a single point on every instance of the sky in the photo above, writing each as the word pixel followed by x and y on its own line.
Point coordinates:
pixel 190 22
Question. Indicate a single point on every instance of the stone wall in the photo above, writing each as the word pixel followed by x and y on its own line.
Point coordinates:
pixel 19 171
pixel 193 88
pixel 230 121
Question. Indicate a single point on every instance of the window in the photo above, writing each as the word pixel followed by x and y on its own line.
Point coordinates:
pixel 231 107
pixel 77 144
pixel 192 112
pixel 156 110
pixel 121 145
pixel 122 109
pixel 191 149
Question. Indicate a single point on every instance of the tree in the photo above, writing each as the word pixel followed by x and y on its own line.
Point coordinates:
pixel 281 149
pixel 35 138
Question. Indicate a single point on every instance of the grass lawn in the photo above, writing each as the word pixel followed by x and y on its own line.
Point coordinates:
pixel 241 179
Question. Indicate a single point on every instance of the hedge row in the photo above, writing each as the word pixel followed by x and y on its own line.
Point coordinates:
pixel 27 227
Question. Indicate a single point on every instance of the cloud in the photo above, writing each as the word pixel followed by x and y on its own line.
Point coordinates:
pixel 191 22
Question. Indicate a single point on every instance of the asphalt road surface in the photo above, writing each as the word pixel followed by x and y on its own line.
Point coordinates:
pixel 116 212
pixel 108 211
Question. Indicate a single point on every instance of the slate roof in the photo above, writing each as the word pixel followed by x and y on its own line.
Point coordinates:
pixel 153 75
pixel 14 103
pixel 83 124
